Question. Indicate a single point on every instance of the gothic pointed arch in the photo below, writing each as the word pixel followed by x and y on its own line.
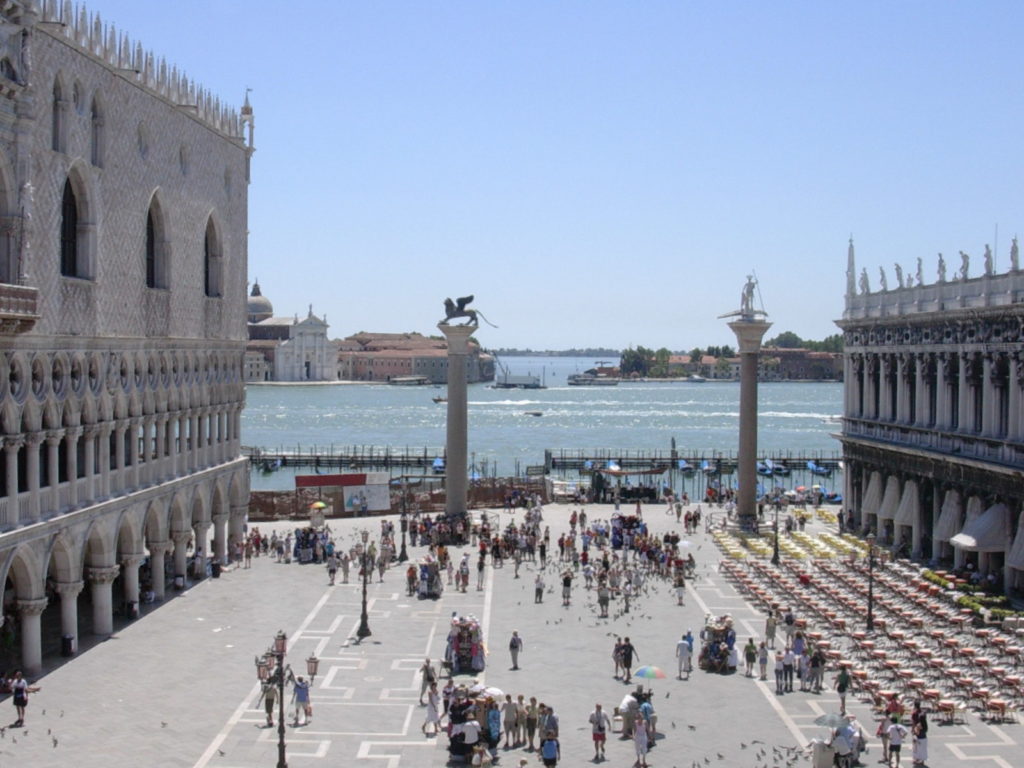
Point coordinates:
pixel 156 245
pixel 78 224
pixel 213 260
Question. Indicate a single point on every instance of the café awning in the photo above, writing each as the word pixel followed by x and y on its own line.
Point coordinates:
pixel 909 511
pixel 873 495
pixel 989 532
pixel 891 499
pixel 1016 557
pixel 949 518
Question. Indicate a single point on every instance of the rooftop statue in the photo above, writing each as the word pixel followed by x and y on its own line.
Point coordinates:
pixel 899 275
pixel 988 260
pixel 864 287
pixel 882 279
pixel 965 265
pixel 920 271
pixel 457 308
pixel 1014 256
pixel 747 297
pixel 942 269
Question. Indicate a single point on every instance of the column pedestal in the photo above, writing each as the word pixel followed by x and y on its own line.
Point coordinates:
pixel 458 432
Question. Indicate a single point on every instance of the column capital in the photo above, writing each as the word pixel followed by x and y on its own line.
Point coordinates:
pixel 68 589
pixel 32 607
pixel 103 574
pixel 159 547
pixel 54 436
pixel 133 559
pixel 220 517
pixel 181 538
pixel 91 430
pixel 34 439
pixel 74 432
pixel 13 443
pixel 457 337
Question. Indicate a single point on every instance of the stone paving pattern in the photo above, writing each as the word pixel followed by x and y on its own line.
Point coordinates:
pixel 178 687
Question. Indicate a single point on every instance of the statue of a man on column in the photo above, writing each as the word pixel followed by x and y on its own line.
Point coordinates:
pixel 747 298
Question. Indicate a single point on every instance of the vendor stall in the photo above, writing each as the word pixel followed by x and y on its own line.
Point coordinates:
pixel 430 582
pixel 465 650
pixel 718 640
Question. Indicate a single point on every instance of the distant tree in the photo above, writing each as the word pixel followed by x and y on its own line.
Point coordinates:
pixel 786 340
pixel 696 354
pixel 728 351
pixel 660 366
pixel 833 343
pixel 722 367
pixel 636 361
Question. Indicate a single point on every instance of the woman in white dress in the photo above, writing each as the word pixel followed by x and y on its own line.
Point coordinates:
pixel 640 741
pixel 433 710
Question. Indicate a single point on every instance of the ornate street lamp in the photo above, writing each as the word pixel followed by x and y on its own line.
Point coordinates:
pixel 312 665
pixel 364 620
pixel 268 674
pixel 871 582
pixel 775 546
pixel 403 522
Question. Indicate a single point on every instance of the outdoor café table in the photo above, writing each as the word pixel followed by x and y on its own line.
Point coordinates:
pixel 824 644
pixel 937 635
pixel 983 634
pixel 931 694
pixel 859 635
pixel 969 652
pixel 845 663
pixel 999 640
pixel 897 634
pixel 982 661
pixel 916 683
pixel 916 622
pixel 880 655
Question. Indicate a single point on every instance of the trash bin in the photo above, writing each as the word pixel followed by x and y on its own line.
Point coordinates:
pixel 67 645
pixel 215 569
pixel 179 581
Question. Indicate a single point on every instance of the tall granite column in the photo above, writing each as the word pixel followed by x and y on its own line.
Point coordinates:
pixel 455 462
pixel 749 330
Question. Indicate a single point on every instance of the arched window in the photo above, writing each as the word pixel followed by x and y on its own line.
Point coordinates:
pixel 212 262
pixel 57 125
pixel 69 265
pixel 96 134
pixel 150 250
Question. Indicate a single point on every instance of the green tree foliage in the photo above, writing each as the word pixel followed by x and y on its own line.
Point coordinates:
pixel 786 340
pixel 636 361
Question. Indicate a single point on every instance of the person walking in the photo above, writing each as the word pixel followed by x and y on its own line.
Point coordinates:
pixel 788 663
pixel 641 743
pixel 515 645
pixel 919 727
pixel 750 656
pixel 532 716
pixel 20 689
pixel 538 589
pixel 427 676
pixel 897 733
pixel 769 629
pixel 684 655
pixel 269 702
pixel 433 710
pixel 550 750
pixel 303 705
pixel 566 587
pixel 332 567
pixel 603 598
pixel 842 684
pixel 600 725
pixel 628 655
pixel 762 659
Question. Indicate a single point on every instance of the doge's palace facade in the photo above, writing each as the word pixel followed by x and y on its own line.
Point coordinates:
pixel 123 215
pixel 933 416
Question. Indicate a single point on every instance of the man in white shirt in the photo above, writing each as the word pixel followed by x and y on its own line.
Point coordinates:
pixel 684 655
pixel 600 725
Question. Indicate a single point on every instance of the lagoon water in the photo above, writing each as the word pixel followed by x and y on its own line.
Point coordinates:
pixel 703 418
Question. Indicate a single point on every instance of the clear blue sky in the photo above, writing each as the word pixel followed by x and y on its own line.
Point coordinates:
pixel 607 173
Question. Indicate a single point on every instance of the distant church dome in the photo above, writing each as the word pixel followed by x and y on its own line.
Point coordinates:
pixel 259 307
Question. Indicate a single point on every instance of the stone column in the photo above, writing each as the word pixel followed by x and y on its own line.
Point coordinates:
pixel 921 399
pixel 104 438
pixel 120 482
pixel 902 399
pixel 220 541
pixel 158 470
pixel 989 397
pixel 131 563
pixel 53 438
pixel 236 524
pixel 458 432
pixel 941 392
pixel 966 415
pixel 201 529
pixel 31 612
pixel 88 493
pixel 181 540
pixel 157 568
pixel 72 435
pixel 181 464
pixel 1016 376
pixel 100 580
pixel 32 442
pixel 11 447
pixel 135 453
pixel 937 498
pixel 848 386
pixel 69 591
pixel 749 332
pixel 195 434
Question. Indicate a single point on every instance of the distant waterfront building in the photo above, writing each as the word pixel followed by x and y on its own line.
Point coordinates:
pixel 286 348
pixel 124 200
pixel 386 356
pixel 933 428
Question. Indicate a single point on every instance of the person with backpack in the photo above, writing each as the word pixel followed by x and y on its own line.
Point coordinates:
pixel 550 750
pixel 515 645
